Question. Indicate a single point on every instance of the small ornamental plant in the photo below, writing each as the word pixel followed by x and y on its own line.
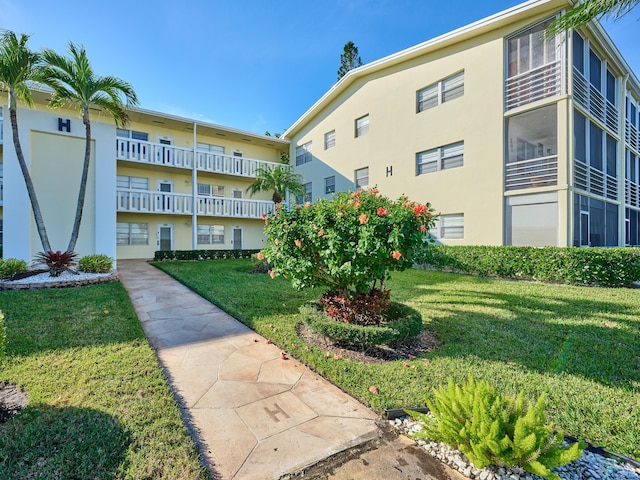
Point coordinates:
pixel 493 429
pixel 349 243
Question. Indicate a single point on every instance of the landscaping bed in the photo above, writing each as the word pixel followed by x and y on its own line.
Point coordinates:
pixel 578 345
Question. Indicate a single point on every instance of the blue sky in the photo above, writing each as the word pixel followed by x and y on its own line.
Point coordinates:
pixel 247 64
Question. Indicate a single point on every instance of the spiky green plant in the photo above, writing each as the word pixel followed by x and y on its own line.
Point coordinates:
pixel 492 429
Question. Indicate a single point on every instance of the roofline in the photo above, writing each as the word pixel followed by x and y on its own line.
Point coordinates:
pixel 207 124
pixel 46 89
pixel 452 37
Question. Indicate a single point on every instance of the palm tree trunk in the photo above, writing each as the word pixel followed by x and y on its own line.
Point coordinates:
pixel 83 182
pixel 35 206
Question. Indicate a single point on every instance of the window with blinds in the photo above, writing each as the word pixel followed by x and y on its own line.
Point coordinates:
pixel 329 185
pixel 330 139
pixel 134 183
pixel 362 125
pixel 210 234
pixel 449 226
pixel 132 233
pixel 443 91
pixel 361 178
pixel 303 153
pixel 441 158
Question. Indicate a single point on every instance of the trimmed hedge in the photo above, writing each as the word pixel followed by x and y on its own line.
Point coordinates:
pixel 97 263
pixel 3 336
pixel 10 266
pixel 161 255
pixel 606 267
pixel 406 323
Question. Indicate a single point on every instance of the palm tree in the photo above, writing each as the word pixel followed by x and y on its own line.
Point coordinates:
pixel 74 83
pixel 19 65
pixel 279 179
pixel 583 13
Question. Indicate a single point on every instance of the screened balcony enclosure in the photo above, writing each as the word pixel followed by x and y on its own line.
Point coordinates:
pixel 531 158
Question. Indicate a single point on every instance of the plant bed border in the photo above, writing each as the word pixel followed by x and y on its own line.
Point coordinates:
pixel 406 324
pixel 9 285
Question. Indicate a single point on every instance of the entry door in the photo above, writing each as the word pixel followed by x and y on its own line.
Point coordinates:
pixel 165 236
pixel 237 238
pixel 165 154
pixel 237 162
pixel 584 229
pixel 237 206
pixel 165 202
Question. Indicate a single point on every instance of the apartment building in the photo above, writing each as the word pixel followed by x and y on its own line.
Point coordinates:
pixel 515 137
pixel 163 183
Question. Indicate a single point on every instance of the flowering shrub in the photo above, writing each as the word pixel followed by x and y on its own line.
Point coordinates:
pixel 349 243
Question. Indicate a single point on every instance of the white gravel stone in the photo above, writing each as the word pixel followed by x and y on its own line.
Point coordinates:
pixel 64 277
pixel 590 466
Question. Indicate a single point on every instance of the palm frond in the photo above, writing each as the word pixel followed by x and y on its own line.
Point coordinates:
pixel 18 65
pixel 583 13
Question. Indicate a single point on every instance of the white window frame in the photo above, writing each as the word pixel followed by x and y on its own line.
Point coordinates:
pixel 329 139
pixel 308 192
pixel 440 92
pixel 133 183
pixel 439 157
pixel 132 134
pixel 304 153
pixel 330 187
pixel 449 226
pixel 209 147
pixel 362 126
pixel 214 234
pixel 131 235
pixel 357 179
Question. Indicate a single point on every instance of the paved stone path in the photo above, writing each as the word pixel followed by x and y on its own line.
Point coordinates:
pixel 253 414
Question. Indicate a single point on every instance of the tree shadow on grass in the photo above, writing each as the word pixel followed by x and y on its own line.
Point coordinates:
pixel 44 442
pixel 549 330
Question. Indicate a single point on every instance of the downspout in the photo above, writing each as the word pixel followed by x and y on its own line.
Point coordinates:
pixel 194 191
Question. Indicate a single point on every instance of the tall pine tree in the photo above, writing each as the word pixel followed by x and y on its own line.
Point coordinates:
pixel 349 59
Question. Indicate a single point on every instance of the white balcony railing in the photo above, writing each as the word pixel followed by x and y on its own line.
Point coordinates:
pixel 632 136
pixel 591 99
pixel 180 157
pixel 542 82
pixel 233 207
pixel 595 181
pixel 537 172
pixel 143 201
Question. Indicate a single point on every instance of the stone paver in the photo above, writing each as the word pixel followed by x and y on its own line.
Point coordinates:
pixel 253 414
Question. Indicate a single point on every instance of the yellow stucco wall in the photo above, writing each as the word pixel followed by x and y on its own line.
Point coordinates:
pixel 56 169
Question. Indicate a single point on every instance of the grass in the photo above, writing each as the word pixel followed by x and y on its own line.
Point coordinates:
pixel 579 345
pixel 99 405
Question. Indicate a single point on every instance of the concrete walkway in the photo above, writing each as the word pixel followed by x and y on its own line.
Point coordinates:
pixel 253 414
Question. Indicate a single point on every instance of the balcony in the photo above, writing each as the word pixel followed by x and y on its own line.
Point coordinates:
pixel 632 194
pixel 542 82
pixel 632 136
pixel 592 180
pixel 594 102
pixel 179 157
pixel 142 201
pixel 534 173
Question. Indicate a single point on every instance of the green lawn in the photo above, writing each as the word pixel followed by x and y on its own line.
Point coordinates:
pixel 99 405
pixel 580 346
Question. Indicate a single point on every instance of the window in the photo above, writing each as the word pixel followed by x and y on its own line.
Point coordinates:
pixel 132 233
pixel 441 158
pixel 578 52
pixel 308 192
pixel 595 222
pixel 207 147
pixel 361 178
pixel 0 231
pixel 329 139
pixel 210 234
pixel 330 185
pixel 441 92
pixel 133 135
pixel 362 125
pixel 449 226
pixel 134 183
pixel 530 49
pixel 303 153
pixel 211 190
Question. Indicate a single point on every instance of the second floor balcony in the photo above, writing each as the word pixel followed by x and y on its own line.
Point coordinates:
pixel 533 173
pixel 151 153
pixel 143 201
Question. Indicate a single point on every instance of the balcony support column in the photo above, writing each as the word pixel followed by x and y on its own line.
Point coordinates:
pixel 194 192
pixel 622 160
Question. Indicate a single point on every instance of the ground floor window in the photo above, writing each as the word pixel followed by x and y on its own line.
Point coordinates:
pixel 210 234
pixel 132 233
pixel 449 226
pixel 595 222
